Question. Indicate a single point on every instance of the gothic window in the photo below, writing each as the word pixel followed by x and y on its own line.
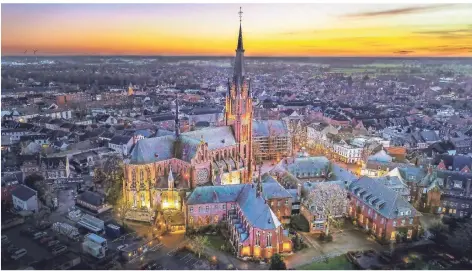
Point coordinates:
pixel 269 239
pixel 133 176
pixel 143 200
pixel 148 172
pixel 258 238
pixel 191 220
pixel 141 176
pixel 135 203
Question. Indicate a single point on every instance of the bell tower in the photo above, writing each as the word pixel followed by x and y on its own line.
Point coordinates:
pixel 238 109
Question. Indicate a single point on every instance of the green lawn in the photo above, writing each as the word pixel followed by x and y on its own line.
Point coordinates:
pixel 336 263
pixel 215 241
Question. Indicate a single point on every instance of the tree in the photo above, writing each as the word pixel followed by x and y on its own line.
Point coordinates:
pixel 37 182
pixel 460 240
pixel 122 208
pixel 438 233
pixel 328 201
pixel 277 262
pixel 199 243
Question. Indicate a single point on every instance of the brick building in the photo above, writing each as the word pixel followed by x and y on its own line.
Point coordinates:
pixel 381 210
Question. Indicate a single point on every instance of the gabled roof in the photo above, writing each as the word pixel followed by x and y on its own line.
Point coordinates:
pixel 255 209
pixel 389 203
pixel 216 137
pixel 120 140
pixel 23 192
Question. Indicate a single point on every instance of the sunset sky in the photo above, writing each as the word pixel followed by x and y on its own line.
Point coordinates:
pixel 211 29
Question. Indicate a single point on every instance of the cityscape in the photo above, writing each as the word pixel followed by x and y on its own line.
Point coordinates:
pixel 133 137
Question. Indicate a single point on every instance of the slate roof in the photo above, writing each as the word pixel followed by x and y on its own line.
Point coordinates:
pixel 92 198
pixel 153 149
pixel 272 189
pixel 23 192
pixel 255 209
pixel 216 137
pixel 384 200
pixel 120 140
pixel 265 128
pixel 308 166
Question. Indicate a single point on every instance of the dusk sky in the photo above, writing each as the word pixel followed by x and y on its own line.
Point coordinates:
pixel 211 29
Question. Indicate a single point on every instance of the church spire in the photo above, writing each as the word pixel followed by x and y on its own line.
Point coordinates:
pixel 240 37
pixel 239 60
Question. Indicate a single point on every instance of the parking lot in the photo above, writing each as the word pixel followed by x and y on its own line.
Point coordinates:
pixel 35 251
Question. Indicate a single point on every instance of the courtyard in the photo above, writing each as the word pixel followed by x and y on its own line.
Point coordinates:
pixel 347 239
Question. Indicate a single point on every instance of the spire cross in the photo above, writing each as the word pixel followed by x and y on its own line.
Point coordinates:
pixel 240 14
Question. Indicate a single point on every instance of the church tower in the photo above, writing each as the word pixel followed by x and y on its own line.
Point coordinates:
pixel 238 110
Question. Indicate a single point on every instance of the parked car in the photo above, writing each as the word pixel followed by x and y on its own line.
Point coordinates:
pixel 19 253
pixel 46 239
pixel 12 248
pixel 28 231
pixel 53 243
pixel 59 250
pixel 120 248
pixel 5 240
pixel 39 235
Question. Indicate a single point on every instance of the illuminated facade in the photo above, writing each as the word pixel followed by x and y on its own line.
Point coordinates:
pixel 161 169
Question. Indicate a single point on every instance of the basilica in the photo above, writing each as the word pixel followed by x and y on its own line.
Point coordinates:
pixel 160 170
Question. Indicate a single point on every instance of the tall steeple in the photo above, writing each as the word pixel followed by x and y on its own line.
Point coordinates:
pixel 239 60
pixel 177 122
pixel 238 108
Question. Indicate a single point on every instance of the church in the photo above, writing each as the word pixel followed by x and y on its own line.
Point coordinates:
pixel 160 170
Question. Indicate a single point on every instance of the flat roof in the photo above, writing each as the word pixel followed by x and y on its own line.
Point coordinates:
pixel 96 238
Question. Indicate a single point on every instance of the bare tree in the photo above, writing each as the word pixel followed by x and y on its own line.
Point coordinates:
pixel 122 208
pixel 198 244
pixel 328 201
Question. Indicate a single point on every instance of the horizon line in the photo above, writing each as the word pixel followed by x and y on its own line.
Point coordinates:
pixel 232 56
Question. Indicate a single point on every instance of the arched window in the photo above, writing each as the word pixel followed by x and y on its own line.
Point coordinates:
pixel 133 176
pixel 269 239
pixel 141 176
pixel 258 238
pixel 191 220
pixel 143 200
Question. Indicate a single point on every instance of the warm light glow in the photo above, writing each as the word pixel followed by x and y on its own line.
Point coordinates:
pixel 316 29
pixel 245 251
pixel 287 246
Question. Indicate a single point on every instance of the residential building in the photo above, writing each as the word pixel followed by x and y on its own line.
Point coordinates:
pixel 25 199
pixel 382 210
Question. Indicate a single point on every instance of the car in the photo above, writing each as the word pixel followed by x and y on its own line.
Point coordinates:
pixel 39 235
pixel 53 243
pixel 58 250
pixel 12 248
pixel 28 231
pixel 46 239
pixel 120 248
pixel 19 253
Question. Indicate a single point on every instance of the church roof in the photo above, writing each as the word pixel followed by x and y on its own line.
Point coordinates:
pixel 216 137
pixel 255 209
pixel 153 149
